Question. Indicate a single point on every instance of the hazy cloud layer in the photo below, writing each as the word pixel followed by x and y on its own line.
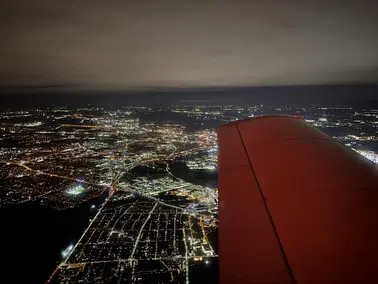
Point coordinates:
pixel 126 44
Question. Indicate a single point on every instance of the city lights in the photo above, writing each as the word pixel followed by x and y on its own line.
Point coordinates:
pixel 76 190
pixel 370 155
pixel 150 186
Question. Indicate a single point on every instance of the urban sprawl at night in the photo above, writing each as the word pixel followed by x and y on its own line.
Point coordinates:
pixel 153 171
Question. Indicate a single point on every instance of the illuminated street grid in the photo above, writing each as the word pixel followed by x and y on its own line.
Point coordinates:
pixel 129 233
pixel 72 156
pixel 152 271
pixel 55 149
pixel 156 221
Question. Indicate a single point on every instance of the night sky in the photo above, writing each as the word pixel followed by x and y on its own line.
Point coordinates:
pixel 123 45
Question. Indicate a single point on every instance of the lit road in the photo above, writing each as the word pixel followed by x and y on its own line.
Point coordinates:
pixel 186 256
pixel 49 174
pixel 141 230
pixel 112 188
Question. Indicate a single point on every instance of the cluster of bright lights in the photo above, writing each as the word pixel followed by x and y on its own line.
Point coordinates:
pixel 33 124
pixel 368 155
pixel 67 251
pixel 76 190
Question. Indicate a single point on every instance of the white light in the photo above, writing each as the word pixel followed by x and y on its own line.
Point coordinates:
pixel 75 190
pixel 67 251
pixel 368 154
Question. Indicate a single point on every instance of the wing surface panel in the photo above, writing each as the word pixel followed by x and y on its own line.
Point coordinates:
pixel 321 197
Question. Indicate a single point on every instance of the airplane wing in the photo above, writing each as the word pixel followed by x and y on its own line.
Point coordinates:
pixel 295 205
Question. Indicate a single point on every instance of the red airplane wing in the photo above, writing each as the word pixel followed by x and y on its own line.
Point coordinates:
pixel 295 205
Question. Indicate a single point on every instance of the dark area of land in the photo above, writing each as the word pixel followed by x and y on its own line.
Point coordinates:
pixel 33 236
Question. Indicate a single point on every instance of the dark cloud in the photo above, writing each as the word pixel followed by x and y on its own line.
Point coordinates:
pixel 126 44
